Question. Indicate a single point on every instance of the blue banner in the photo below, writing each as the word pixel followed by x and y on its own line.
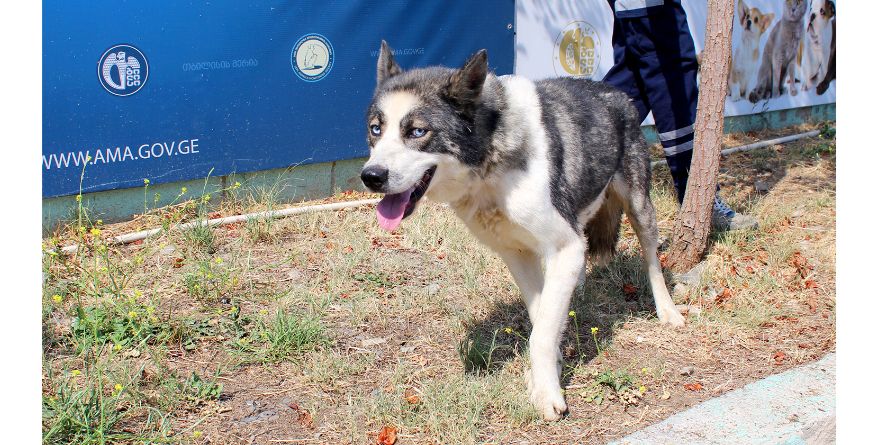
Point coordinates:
pixel 169 90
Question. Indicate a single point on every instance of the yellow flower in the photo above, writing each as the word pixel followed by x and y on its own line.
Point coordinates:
pixel 57 298
pixel 79 198
pixel 184 190
pixel 642 389
pixel 75 372
pixel 153 319
pixel 95 232
pixel 237 184
pixel 147 181
pixel 572 313
pixel 263 312
pixel 88 158
pixel 209 276
pixel 196 434
pixel 150 310
pixel 118 387
pixel 508 330
pixel 138 293
pixel 117 347
pixel 99 222
pixel 645 370
pixel 132 314
pixel 218 260
pixel 594 330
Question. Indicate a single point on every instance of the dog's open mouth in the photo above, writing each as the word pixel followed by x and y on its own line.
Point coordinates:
pixel 396 206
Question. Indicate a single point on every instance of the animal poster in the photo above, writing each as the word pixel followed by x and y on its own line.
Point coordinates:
pixel 781 49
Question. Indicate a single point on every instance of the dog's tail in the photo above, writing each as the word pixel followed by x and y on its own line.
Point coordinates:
pixel 603 229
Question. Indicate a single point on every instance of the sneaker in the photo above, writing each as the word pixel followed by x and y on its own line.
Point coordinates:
pixel 724 218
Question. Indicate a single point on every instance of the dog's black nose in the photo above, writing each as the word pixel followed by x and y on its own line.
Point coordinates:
pixel 374 177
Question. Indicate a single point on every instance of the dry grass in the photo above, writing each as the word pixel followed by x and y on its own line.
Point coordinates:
pixel 423 329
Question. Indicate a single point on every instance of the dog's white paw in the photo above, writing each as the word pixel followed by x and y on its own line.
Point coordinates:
pixel 550 404
pixel 671 316
pixel 547 399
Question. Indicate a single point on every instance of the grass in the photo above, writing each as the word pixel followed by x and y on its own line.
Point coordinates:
pixel 325 328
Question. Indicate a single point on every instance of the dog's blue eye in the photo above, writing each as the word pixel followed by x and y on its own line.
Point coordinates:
pixel 375 129
pixel 417 132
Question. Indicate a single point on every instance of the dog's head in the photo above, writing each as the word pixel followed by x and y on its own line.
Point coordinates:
pixel 419 125
pixel 822 11
pixel 753 22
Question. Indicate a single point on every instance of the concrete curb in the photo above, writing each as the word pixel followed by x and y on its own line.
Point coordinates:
pixel 797 407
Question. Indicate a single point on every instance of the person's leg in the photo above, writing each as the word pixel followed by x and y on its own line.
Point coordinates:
pixel 666 61
pixel 624 75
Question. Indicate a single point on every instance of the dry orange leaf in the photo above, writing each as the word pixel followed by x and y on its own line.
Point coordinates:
pixel 693 386
pixel 387 436
pixel 411 396
pixel 779 357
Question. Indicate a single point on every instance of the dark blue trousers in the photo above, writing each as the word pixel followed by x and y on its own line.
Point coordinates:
pixel 656 65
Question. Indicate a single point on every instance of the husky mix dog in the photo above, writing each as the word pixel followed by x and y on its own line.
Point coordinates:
pixel 538 171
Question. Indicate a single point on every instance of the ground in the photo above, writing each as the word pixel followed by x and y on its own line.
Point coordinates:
pixel 322 328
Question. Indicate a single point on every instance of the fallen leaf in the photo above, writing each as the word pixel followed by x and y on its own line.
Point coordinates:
pixel 779 357
pixel 665 395
pixel 693 386
pixel 178 262
pixel 630 291
pixel 305 418
pixel 411 396
pixel 387 436
pixel 138 242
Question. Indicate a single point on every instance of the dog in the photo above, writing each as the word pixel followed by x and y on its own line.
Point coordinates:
pixel 538 171
pixel 811 57
pixel 753 24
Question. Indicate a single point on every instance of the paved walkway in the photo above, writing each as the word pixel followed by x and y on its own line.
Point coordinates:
pixel 796 407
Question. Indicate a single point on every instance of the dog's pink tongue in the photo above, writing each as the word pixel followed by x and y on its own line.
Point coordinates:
pixel 391 208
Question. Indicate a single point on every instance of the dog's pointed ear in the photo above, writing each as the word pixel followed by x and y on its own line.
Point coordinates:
pixel 765 21
pixel 466 84
pixel 741 7
pixel 386 67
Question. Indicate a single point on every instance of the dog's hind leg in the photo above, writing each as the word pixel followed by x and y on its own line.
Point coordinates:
pixel 563 268
pixel 641 214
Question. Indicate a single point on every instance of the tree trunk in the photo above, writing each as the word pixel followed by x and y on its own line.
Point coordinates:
pixel 694 221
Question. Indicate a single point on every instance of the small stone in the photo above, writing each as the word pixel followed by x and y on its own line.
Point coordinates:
pixel 407 349
pixel 432 289
pixel 369 342
pixel 794 418
pixel 133 353
pixel 687 370
pixel 665 395
pixel 168 250
pixel 641 339
pixel 680 289
pixel 693 277
pixel 762 186
pixel 294 274
pixel 689 309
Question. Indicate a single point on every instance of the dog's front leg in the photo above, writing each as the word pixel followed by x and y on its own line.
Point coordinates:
pixel 525 267
pixel 563 268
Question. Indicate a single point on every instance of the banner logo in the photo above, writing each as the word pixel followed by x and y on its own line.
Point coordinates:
pixel 312 57
pixel 123 70
pixel 576 51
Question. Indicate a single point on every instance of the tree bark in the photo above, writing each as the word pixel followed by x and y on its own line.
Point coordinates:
pixel 694 221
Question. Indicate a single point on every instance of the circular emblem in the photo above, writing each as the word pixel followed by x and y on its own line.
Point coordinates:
pixel 312 57
pixel 576 51
pixel 123 70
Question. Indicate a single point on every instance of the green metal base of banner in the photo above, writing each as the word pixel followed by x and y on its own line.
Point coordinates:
pixel 313 181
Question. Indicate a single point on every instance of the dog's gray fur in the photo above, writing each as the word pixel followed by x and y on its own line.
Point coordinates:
pixel 540 172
